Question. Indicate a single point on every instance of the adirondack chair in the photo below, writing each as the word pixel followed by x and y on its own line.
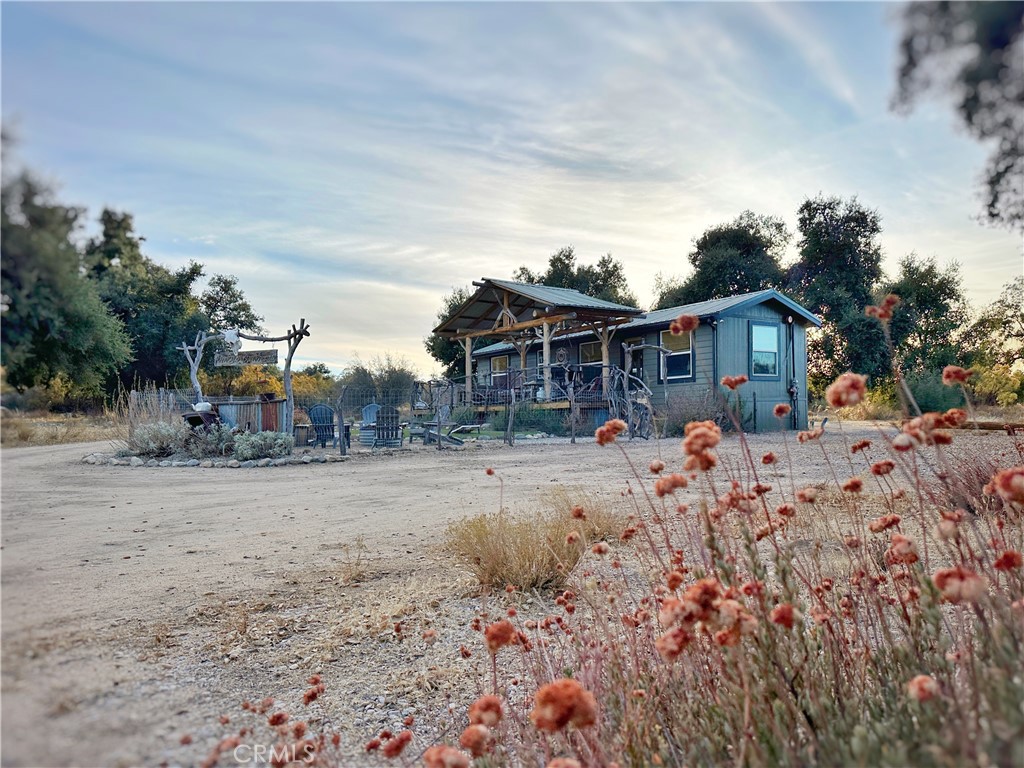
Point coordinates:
pixel 368 430
pixel 322 418
pixel 387 431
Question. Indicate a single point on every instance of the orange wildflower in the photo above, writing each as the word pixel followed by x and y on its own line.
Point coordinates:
pixel 1009 484
pixel 486 711
pixel 499 634
pixel 663 486
pixel 954 374
pixel 923 688
pixel 853 485
pixel 734 382
pixel 785 615
pixel 782 410
pixel 901 550
pixel 394 746
pixel 1010 560
pixel 683 324
pixel 884 522
pixel 959 584
pixel 656 466
pixel 441 756
pixel 848 389
pixel 673 643
pixel 477 740
pixel 561 703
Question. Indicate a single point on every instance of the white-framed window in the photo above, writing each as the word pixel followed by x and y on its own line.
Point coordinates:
pixel 764 349
pixel 499 371
pixel 677 365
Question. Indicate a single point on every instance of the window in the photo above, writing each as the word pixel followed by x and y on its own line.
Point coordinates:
pixel 590 360
pixel 499 371
pixel 678 363
pixel 764 349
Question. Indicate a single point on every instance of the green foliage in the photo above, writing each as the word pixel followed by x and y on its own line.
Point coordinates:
pixel 158 439
pixel 998 385
pixel 926 326
pixel 54 322
pixel 999 330
pixel 739 257
pixel 529 418
pixel 839 265
pixel 973 51
pixel 452 354
pixel 386 379
pixel 155 304
pixel 250 446
pixel 225 306
pixel 931 394
pixel 606 280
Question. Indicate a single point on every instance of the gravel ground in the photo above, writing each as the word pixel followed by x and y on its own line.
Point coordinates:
pixel 140 604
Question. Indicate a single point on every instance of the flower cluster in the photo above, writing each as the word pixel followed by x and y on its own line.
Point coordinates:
pixel 884 311
pixel 683 324
pixel 848 389
pixel 699 438
pixel 611 429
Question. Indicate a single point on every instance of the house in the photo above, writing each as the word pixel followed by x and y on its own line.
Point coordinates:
pixel 572 345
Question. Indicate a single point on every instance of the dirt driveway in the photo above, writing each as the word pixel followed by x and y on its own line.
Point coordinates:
pixel 140 604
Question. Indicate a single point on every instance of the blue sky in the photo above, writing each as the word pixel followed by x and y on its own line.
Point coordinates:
pixel 352 162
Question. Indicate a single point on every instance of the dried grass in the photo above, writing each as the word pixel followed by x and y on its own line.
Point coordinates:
pixel 23 430
pixel 531 549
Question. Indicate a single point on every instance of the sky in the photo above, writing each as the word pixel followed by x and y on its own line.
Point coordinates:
pixel 351 163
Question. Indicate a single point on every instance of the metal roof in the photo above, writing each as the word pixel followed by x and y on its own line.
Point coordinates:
pixel 702 309
pixel 527 303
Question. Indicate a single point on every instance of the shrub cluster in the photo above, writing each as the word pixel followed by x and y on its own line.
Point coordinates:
pixel 263 445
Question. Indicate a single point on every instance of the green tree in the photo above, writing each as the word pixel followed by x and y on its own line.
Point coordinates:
pixel 975 51
pixel 452 354
pixel 156 305
pixel 225 306
pixel 605 280
pixel 1000 328
pixel 839 265
pixel 741 256
pixel 927 326
pixel 54 323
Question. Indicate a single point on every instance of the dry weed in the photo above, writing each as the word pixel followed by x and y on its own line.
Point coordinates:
pixel 533 549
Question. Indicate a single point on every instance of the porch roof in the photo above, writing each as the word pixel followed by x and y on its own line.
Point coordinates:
pixel 507 308
pixel 702 309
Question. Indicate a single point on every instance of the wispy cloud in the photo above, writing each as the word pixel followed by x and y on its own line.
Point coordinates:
pixel 353 162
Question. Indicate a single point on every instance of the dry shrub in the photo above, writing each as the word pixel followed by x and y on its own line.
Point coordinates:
pixel 54 429
pixel 530 549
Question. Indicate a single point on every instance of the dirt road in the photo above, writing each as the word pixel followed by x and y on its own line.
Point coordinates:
pixel 140 604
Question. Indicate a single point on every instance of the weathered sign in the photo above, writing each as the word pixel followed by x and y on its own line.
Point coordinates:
pixel 224 358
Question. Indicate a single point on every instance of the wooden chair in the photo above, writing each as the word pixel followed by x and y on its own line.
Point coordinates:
pixel 387 432
pixel 322 418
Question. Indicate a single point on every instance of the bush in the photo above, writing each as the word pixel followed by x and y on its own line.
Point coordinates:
pixel 262 445
pixel 530 550
pixel 219 441
pixel 530 418
pixel 998 385
pixel 157 439
pixel 681 409
pixel 931 394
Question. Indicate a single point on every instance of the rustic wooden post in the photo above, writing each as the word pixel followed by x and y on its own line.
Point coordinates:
pixel 468 344
pixel 546 338
pixel 294 337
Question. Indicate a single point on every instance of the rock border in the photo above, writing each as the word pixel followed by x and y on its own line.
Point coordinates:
pixel 104 459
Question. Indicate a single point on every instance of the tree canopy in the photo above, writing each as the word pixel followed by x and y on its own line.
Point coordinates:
pixel 225 306
pixel 928 324
pixel 838 267
pixel 54 321
pixel 974 51
pixel 605 280
pixel 741 256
